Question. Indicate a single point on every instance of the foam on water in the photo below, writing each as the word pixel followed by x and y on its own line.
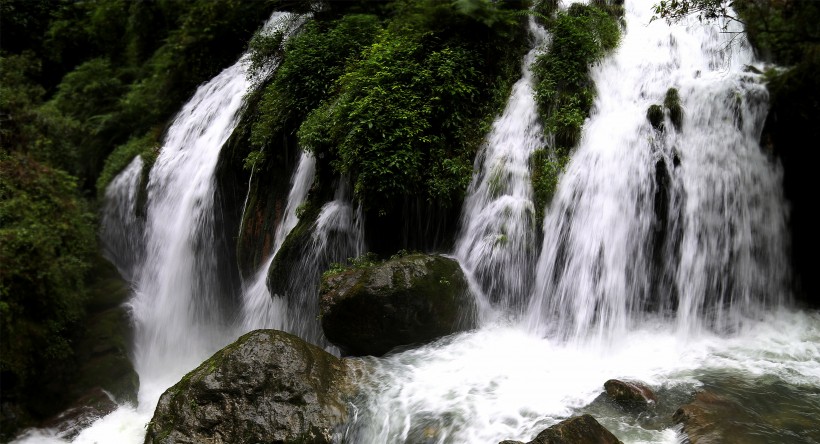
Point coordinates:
pixel 504 382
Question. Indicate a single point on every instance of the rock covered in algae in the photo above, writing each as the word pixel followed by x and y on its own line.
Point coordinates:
pixel 413 299
pixel 630 394
pixel 582 429
pixel 267 387
pixel 709 419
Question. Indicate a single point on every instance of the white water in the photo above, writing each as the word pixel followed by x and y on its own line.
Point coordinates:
pixel 121 229
pixel 602 305
pixel 725 244
pixel 336 236
pixel 497 240
pixel 259 309
pixel 178 309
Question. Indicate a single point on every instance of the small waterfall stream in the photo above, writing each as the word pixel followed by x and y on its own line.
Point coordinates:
pixel 259 309
pixel 496 243
pixel 121 231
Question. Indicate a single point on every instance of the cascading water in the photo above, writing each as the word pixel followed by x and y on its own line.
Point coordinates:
pixel 700 206
pixel 496 243
pixel 121 230
pixel 656 245
pixel 259 309
pixel 336 236
pixel 178 309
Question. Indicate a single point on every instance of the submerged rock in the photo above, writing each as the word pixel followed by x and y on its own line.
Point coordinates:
pixel 582 429
pixel 709 419
pixel 267 387
pixel 413 299
pixel 630 394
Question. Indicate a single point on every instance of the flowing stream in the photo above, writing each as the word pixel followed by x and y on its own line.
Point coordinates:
pixel 664 259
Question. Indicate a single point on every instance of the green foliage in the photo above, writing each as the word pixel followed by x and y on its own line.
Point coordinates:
pixel 146 146
pixel 314 59
pixel 546 168
pixel 46 242
pixel 784 31
pixel 19 95
pixel 405 117
pixel 366 260
pixel 564 92
pixel 386 125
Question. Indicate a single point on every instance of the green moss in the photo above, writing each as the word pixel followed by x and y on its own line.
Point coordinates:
pixel 672 103
pixel 545 170
pixel 655 115
pixel 146 146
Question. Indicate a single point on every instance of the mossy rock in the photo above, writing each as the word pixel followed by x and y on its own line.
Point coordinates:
pixel 414 299
pixel 268 386
pixel 630 394
pixel 654 114
pixel 672 103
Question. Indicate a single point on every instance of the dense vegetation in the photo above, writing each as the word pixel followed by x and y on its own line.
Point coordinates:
pixel 77 80
pixel 564 92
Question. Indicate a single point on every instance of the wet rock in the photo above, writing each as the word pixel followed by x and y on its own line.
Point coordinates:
pixel 630 394
pixel 655 116
pixel 672 103
pixel 268 386
pixel 410 300
pixel 94 405
pixel 577 430
pixel 708 419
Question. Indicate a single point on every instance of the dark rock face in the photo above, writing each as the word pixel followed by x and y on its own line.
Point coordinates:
pixel 267 387
pixel 410 300
pixel 630 394
pixel 94 405
pixel 577 430
pixel 708 419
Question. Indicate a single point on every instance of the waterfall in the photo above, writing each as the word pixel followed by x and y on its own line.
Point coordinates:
pixel 497 241
pixel 122 230
pixel 690 222
pixel 659 249
pixel 259 309
pixel 336 235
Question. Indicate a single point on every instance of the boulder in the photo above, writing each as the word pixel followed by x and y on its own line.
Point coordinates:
pixel 630 394
pixel 414 299
pixel 267 387
pixel 709 419
pixel 582 429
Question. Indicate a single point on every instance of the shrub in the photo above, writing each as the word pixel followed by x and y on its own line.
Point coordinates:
pixel 46 244
pixel 564 92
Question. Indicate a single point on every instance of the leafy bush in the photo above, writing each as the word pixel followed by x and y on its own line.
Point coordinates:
pixel 146 146
pixel 298 86
pixel 564 92
pixel 546 168
pixel 405 118
pixel 46 243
